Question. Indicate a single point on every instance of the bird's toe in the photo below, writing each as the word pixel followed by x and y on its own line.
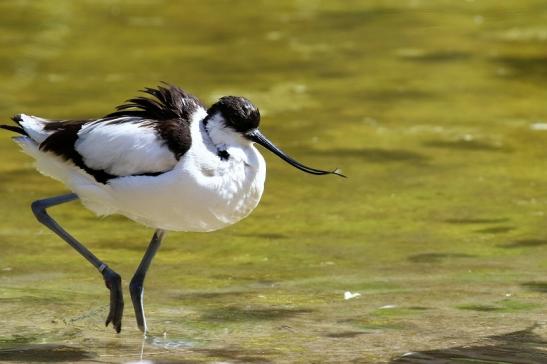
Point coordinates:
pixel 114 283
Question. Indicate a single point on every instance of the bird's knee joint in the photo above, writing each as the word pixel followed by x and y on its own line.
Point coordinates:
pixel 111 277
pixel 135 289
pixel 116 278
pixel 39 210
pixel 136 284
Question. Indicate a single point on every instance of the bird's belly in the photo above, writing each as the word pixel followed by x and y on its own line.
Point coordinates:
pixel 186 203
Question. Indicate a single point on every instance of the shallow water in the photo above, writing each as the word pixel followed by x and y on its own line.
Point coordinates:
pixel 437 112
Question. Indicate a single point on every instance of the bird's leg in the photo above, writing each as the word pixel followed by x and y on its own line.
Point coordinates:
pixel 136 286
pixel 112 279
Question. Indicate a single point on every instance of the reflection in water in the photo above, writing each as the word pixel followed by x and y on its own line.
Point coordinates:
pixel 519 347
pixel 164 343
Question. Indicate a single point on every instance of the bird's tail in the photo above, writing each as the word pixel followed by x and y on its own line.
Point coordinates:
pixel 17 129
pixel 29 126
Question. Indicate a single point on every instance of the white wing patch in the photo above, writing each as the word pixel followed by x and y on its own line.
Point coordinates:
pixel 123 149
pixel 34 126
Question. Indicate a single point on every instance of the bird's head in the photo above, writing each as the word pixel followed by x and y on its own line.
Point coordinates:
pixel 235 120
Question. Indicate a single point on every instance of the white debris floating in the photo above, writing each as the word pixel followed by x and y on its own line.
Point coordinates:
pixel 349 295
pixel 539 126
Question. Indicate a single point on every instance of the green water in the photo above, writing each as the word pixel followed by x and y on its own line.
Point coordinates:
pixel 435 111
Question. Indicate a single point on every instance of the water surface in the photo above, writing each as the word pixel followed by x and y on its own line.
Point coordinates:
pixel 437 112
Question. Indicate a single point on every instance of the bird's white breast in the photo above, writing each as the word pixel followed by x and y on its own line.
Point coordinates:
pixel 202 192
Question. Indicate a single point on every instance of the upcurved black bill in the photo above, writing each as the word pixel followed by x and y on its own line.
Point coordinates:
pixel 256 136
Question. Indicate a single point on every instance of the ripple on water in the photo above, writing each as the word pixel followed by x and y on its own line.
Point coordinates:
pixel 168 343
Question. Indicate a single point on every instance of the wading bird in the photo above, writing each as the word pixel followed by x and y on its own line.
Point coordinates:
pixel 163 161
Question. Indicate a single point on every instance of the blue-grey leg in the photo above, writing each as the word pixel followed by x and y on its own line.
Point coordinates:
pixel 136 287
pixel 112 279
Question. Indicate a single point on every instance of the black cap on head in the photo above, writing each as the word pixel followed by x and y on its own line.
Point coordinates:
pixel 239 113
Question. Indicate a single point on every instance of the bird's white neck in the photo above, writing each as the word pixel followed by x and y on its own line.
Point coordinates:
pixel 224 137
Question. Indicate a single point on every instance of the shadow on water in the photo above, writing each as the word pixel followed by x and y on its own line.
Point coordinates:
pixel 467 145
pixel 525 243
pixel 495 230
pixel 436 257
pixel 540 287
pixel 471 221
pixel 480 308
pixel 533 67
pixel 253 314
pixel 437 57
pixel 49 353
pixel 519 347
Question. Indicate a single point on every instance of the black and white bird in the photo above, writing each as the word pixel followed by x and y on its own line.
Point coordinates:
pixel 163 161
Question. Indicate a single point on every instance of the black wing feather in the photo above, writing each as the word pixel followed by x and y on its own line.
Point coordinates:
pixel 17 129
pixel 169 112
pixel 170 102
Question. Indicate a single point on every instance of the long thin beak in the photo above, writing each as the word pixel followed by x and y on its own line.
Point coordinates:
pixel 256 136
